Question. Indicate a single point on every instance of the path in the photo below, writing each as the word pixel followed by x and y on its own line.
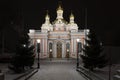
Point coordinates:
pixel 57 70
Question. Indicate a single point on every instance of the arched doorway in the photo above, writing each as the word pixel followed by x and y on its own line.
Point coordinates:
pixel 59 50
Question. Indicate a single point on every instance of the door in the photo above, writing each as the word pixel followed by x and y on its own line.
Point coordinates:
pixel 59 50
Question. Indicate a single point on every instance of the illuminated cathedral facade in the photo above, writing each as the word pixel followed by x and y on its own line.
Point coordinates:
pixel 58 39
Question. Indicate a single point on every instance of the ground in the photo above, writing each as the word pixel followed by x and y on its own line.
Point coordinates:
pixel 58 70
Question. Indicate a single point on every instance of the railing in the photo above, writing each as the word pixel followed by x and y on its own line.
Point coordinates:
pixel 81 30
pixel 27 75
pixel 89 74
pixel 37 31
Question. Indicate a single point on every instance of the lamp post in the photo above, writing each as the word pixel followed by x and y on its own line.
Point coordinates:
pixel 24 45
pixel 38 51
pixel 110 64
pixel 68 53
pixel 50 54
pixel 78 50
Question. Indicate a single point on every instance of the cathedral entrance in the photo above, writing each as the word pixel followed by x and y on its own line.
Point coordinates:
pixel 59 50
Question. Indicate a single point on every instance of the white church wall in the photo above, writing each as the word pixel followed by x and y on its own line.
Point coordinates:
pixel 59 30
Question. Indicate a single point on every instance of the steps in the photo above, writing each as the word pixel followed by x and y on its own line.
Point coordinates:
pixel 57 60
pixel 117 76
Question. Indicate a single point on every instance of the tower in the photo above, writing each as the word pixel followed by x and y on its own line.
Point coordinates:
pixel 47 18
pixel 47 25
pixel 71 18
pixel 59 12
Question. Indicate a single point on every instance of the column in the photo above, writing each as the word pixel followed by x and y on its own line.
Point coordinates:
pixel 72 47
pixel 45 48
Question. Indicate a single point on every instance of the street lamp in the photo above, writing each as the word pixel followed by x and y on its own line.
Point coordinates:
pixel 110 64
pixel 38 51
pixel 24 45
pixel 78 50
pixel 50 54
pixel 68 53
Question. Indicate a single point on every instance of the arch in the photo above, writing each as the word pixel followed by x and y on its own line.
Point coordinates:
pixel 67 50
pixel 63 49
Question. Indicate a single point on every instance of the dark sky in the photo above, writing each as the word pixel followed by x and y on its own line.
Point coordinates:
pixel 103 15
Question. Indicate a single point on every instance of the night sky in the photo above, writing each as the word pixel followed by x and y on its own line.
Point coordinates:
pixel 103 15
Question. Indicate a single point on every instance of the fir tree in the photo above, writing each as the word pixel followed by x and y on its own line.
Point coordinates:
pixel 24 56
pixel 92 57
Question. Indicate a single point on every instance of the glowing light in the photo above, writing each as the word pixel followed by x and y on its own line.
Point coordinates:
pixel 38 40
pixel 67 50
pixel 50 50
pixel 78 40
pixel 24 45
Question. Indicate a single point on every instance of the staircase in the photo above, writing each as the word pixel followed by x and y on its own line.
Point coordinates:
pixel 117 75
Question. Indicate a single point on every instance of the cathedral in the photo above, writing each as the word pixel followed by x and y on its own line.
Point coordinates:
pixel 58 39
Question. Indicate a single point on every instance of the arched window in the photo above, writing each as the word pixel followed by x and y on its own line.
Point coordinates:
pixel 50 45
pixel 79 46
pixel 67 45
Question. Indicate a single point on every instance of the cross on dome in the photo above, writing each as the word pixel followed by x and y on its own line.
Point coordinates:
pixel 59 6
pixel 47 17
pixel 71 18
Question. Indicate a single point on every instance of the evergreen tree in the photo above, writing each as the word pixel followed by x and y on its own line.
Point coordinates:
pixel 92 57
pixel 24 56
